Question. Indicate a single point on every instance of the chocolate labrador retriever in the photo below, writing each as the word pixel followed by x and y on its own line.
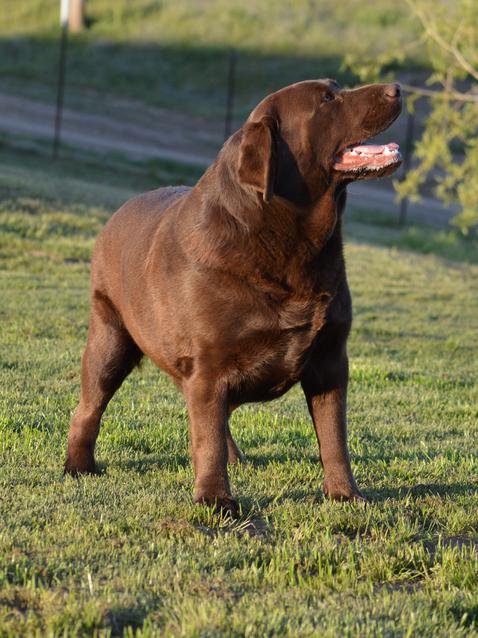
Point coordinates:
pixel 237 287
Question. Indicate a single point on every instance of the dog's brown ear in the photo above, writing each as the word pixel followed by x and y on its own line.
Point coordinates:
pixel 258 155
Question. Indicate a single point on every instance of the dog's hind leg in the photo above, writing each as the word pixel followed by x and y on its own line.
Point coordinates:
pixel 234 454
pixel 109 357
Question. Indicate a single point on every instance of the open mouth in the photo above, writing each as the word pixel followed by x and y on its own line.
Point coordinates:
pixel 368 157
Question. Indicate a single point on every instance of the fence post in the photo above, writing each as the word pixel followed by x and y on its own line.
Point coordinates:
pixel 407 154
pixel 76 20
pixel 64 17
pixel 231 85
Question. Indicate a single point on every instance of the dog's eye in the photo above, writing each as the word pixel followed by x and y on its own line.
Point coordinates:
pixel 327 97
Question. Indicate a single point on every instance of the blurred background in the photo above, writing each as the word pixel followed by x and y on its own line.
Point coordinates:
pixel 144 93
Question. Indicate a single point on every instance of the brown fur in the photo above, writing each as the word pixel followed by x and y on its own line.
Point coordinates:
pixel 237 287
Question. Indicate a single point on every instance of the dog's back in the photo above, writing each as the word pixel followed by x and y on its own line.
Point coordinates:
pixel 126 238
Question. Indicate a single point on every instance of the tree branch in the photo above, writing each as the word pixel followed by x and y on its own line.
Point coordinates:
pixel 452 95
pixel 434 35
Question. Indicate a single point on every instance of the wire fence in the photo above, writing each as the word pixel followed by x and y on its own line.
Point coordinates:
pixel 142 97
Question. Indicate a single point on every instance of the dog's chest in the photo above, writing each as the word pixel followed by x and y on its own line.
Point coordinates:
pixel 271 362
pixel 299 322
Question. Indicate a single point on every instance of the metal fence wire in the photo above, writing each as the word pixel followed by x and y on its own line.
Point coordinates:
pixel 107 89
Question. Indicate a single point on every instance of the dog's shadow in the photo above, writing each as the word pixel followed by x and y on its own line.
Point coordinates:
pixel 419 490
pixel 157 462
pixel 150 463
pixel 263 460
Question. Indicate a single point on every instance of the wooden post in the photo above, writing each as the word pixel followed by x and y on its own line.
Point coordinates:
pixel 60 88
pixel 65 7
pixel 407 154
pixel 76 19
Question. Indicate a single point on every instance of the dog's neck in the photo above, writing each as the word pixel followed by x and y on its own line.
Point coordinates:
pixel 231 220
pixel 315 207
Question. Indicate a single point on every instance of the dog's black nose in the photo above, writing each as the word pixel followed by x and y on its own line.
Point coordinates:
pixel 393 90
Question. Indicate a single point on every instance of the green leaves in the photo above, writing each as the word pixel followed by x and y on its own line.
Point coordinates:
pixel 446 156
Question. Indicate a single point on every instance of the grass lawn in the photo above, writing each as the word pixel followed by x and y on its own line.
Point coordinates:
pixel 128 554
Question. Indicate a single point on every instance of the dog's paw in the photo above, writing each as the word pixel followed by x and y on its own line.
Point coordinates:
pixel 78 464
pixel 343 491
pixel 223 504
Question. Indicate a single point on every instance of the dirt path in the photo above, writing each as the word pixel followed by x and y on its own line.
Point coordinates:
pixel 138 133
pixel 144 132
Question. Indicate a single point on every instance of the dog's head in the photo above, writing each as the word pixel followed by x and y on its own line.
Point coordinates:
pixel 299 139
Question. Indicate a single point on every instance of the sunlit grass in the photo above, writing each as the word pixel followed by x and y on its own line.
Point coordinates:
pixel 127 553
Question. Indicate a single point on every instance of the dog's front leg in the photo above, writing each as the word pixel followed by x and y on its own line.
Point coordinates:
pixel 208 413
pixel 325 388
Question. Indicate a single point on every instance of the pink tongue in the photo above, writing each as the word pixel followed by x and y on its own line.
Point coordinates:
pixel 370 149
pixel 374 149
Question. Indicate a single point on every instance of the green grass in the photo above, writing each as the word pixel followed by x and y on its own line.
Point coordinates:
pixel 383 229
pixel 128 554
pixel 174 53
